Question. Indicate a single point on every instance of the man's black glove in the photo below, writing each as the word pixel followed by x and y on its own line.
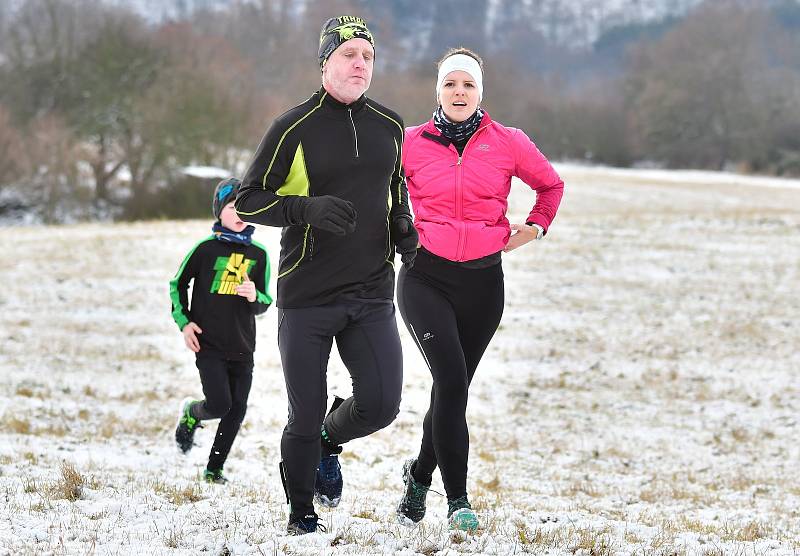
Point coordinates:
pixel 405 238
pixel 329 213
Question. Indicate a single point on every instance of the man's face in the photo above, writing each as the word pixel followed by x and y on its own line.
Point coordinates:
pixel 348 71
pixel 230 219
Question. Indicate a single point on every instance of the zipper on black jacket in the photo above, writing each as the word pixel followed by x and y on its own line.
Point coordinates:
pixel 355 135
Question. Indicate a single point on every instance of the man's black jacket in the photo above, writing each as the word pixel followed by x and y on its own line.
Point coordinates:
pixel 323 147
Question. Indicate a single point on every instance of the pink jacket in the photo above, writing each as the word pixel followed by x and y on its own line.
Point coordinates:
pixel 460 202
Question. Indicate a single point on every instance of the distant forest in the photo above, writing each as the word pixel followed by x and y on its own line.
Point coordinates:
pixel 101 110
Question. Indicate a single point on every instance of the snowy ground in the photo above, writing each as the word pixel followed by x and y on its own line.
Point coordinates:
pixel 641 396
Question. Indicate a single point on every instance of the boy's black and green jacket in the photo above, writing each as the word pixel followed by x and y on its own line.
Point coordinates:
pixel 227 320
pixel 324 147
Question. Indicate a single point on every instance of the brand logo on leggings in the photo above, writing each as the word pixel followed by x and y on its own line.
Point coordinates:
pixel 229 273
pixel 427 336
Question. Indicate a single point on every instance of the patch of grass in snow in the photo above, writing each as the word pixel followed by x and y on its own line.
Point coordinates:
pixel 24 391
pixel 696 526
pixel 367 513
pixel 70 485
pixel 12 423
pixel 142 353
pixel 590 541
pixel 663 542
pixel 489 482
pixel 44 426
pixel 150 395
pixel 740 482
pixel 581 487
pixel 29 485
pixel 97 516
pixel 657 491
pixel 483 502
pixel 173 537
pixel 112 425
pixel 596 542
pixel 544 537
pixel 254 494
pixel 40 507
pixel 187 494
pixel 748 532
pixel 349 534
pixel 712 551
pixel 632 538
pixel 109 425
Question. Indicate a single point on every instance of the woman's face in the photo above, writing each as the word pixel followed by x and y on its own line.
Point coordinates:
pixel 458 96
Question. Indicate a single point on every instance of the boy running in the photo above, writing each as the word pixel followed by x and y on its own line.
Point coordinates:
pixel 230 275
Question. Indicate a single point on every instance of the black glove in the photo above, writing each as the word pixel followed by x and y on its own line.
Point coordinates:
pixel 405 238
pixel 329 213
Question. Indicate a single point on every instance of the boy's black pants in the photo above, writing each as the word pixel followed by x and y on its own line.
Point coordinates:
pixel 452 312
pixel 226 385
pixel 369 345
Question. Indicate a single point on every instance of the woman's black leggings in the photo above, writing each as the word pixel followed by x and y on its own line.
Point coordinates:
pixel 226 385
pixel 452 312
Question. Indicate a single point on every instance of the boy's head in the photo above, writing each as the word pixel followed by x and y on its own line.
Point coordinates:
pixel 222 205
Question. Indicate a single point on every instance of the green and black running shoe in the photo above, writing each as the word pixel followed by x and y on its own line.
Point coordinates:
pixel 461 515
pixel 214 476
pixel 187 425
pixel 411 509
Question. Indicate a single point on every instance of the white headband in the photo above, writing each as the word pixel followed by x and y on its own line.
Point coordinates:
pixel 464 63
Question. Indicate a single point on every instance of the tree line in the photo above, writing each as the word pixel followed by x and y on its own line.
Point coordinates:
pixel 100 110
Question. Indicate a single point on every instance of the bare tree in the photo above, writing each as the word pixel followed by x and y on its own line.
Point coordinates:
pixel 50 160
pixel 10 148
pixel 691 91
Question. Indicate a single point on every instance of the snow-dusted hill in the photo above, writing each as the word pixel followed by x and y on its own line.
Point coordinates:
pixel 641 395
pixel 583 21
pixel 580 21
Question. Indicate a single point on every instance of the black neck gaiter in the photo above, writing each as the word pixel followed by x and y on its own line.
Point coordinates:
pixel 457 132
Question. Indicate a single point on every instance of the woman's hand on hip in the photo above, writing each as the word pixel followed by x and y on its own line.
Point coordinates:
pixel 522 235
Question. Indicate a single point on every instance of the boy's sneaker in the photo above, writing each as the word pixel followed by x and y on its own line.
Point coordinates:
pixel 184 432
pixel 411 509
pixel 460 515
pixel 328 484
pixel 302 524
pixel 214 476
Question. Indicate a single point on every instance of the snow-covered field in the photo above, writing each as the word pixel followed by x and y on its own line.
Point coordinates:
pixel 642 395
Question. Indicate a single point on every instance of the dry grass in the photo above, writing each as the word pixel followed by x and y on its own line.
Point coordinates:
pixel 594 542
pixel 11 423
pixel 748 532
pixel 29 485
pixel 24 391
pixel 186 494
pixel 640 395
pixel 70 484
pixel 367 513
